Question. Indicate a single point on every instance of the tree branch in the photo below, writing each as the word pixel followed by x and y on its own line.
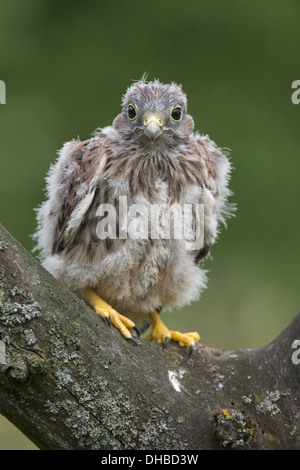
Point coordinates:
pixel 70 382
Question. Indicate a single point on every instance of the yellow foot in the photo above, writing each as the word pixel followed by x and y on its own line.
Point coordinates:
pixel 123 324
pixel 161 334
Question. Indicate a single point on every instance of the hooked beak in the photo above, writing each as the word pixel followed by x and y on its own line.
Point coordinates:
pixel 153 126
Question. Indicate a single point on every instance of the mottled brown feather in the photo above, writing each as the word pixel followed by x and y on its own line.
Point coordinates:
pixel 138 170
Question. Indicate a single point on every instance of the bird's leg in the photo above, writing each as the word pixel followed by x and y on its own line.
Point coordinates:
pixel 161 334
pixel 122 323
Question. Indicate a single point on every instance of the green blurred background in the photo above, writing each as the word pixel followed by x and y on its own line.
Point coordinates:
pixel 67 64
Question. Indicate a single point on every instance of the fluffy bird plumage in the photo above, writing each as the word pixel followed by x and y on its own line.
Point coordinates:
pixel 179 166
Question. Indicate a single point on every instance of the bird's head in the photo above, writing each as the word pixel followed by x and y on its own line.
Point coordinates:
pixel 154 113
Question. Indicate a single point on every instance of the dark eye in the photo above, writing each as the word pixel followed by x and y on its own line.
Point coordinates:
pixel 176 113
pixel 132 111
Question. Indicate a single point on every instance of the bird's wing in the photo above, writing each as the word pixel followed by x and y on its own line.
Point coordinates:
pixel 71 186
pixel 215 171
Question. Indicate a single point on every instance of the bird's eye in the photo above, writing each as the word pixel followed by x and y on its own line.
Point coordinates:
pixel 176 113
pixel 132 111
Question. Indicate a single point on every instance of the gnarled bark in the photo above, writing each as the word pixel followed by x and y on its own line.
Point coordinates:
pixel 70 382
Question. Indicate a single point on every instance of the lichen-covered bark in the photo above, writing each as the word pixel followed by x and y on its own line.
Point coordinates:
pixel 70 382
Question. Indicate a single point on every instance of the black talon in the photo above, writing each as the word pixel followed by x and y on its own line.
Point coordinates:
pixel 136 330
pixel 191 349
pixel 166 341
pixel 133 340
pixel 108 321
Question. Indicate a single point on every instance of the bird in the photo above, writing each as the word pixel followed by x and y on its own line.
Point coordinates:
pixel 93 232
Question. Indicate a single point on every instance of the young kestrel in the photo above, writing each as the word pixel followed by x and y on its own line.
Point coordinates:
pixel 149 159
